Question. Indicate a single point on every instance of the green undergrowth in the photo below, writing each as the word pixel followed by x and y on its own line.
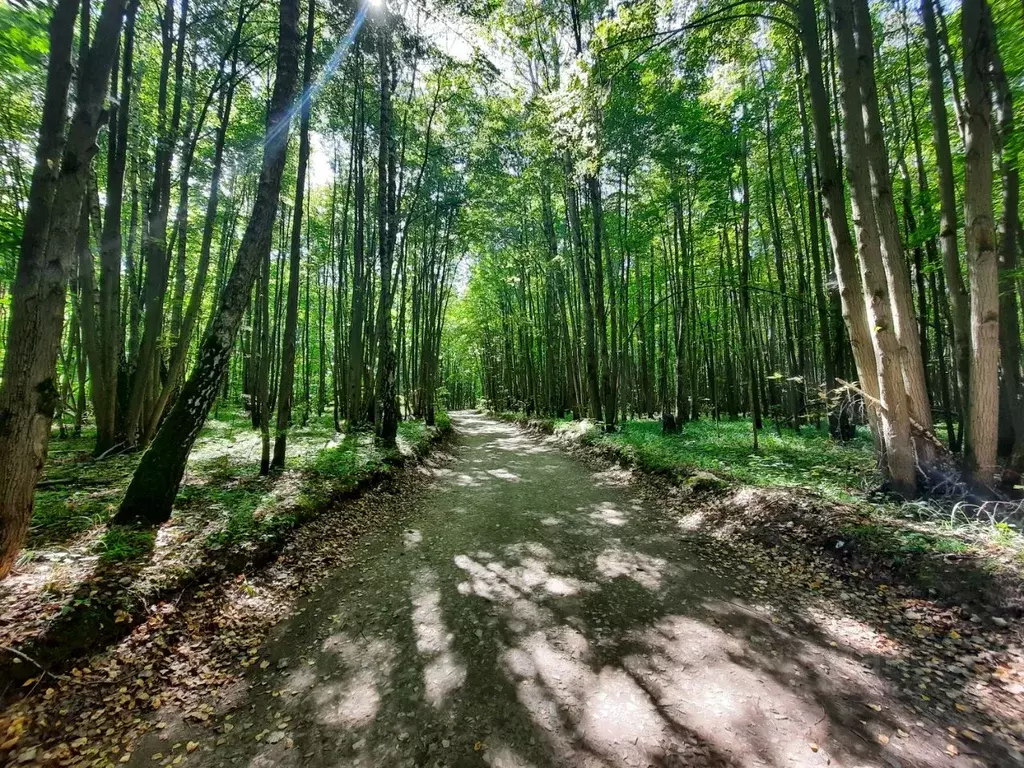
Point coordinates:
pixel 226 519
pixel 962 554
pixel 808 459
pixel 254 512
pixel 223 498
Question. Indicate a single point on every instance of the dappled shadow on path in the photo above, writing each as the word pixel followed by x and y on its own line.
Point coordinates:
pixel 530 616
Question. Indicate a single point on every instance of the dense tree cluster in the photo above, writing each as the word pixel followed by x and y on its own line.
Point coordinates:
pixel 792 210
pixel 802 211
pixel 249 202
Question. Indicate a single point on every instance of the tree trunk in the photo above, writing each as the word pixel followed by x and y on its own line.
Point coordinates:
pixel 385 392
pixel 583 274
pixel 983 396
pixel 956 290
pixel 264 343
pixel 154 242
pixel 109 330
pixel 1009 321
pixel 894 417
pixel 834 210
pixel 28 394
pixel 593 185
pixel 894 262
pixel 745 328
pixel 354 409
pixel 291 322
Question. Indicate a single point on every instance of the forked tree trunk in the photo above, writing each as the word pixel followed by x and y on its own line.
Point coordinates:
pixel 150 495
pixel 154 241
pixel 28 393
pixel 109 332
pixel 833 202
pixel 894 262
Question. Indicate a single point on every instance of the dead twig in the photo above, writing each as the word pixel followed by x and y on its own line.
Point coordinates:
pixel 32 661
pixel 916 427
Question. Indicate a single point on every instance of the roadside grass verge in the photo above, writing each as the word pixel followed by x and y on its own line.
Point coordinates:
pixel 81 583
pixel 809 460
pixel 806 490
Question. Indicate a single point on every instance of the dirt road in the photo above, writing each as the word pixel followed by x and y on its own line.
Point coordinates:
pixel 538 612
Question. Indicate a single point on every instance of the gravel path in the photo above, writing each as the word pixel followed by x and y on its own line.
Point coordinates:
pixel 536 612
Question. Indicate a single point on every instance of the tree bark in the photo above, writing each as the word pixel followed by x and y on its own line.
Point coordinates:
pixel 833 202
pixel 354 410
pixel 154 242
pixel 608 384
pixel 956 290
pixel 28 394
pixel 982 263
pixel 385 392
pixel 894 417
pixel 1009 321
pixel 109 330
pixel 894 262
pixel 291 322
pixel 583 274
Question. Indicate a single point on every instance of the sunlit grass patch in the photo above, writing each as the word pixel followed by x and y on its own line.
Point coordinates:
pixel 121 543
pixel 808 459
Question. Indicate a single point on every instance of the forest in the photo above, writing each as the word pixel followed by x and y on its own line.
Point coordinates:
pixel 566 298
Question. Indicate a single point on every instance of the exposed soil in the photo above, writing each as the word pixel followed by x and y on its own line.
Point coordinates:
pixel 530 610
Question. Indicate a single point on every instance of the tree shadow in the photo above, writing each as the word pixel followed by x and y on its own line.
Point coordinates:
pixel 553 622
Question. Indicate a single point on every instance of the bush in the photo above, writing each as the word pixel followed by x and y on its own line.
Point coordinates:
pixel 442 421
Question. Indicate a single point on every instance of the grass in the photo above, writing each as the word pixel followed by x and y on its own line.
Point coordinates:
pixel 224 497
pixel 901 544
pixel 121 543
pixel 808 459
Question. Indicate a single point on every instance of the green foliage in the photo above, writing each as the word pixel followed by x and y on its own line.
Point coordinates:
pixel 354 456
pixel 442 421
pixel 120 543
pixel 809 459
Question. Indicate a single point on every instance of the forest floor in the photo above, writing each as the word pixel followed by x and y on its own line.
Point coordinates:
pixel 81 582
pixel 515 605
